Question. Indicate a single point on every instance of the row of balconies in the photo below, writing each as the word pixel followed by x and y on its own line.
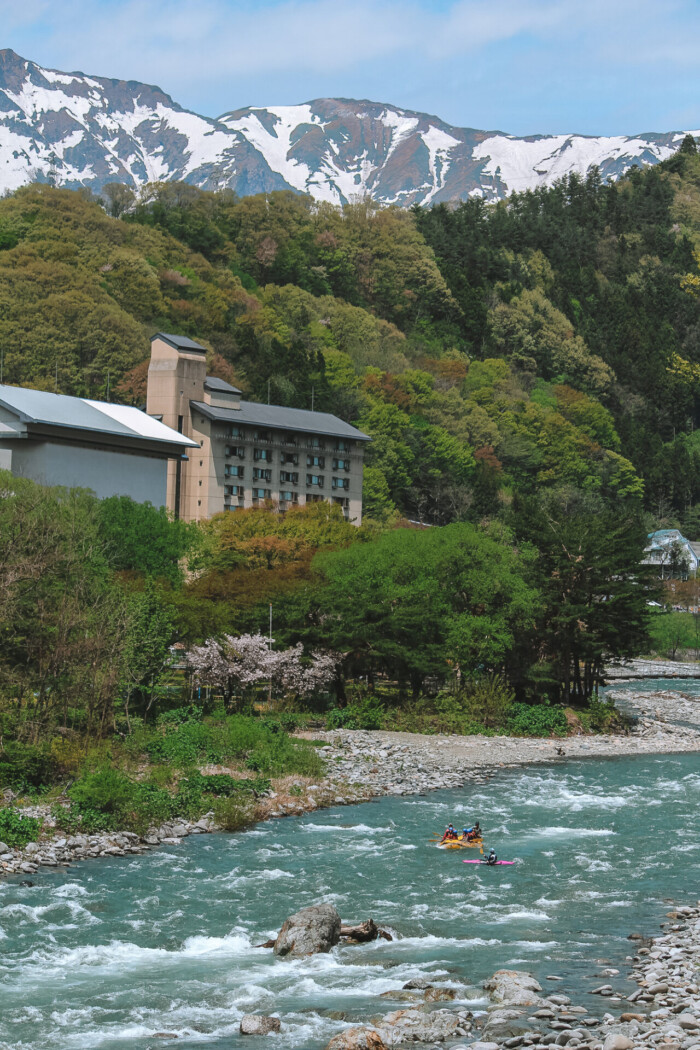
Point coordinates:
pixel 277 440
pixel 264 455
pixel 312 481
pixel 286 477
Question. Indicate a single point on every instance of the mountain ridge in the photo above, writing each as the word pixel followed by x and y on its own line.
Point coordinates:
pixel 75 129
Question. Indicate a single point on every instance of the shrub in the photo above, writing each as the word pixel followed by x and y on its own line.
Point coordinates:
pixel 106 790
pixel 25 767
pixel 489 701
pixel 537 720
pixel 232 814
pixel 368 713
pixel 16 830
pixel 67 755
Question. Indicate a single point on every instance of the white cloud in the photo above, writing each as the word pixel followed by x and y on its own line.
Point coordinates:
pixel 216 48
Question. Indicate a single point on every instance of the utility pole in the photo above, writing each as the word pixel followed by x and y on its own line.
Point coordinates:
pixel 269 646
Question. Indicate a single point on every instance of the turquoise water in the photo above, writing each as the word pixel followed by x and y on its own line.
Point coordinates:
pixel 112 951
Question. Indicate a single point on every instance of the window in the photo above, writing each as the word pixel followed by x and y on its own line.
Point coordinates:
pixel 316 461
pixel 340 483
pixel 290 457
pixel 315 442
pixel 261 435
pixel 233 451
pixel 289 439
pixel 261 475
pixel 234 432
pixel 314 480
pixel 314 498
pixel 341 464
pixel 289 497
pixel 291 477
pixel 261 493
pixel 233 490
pixel 233 472
pixel 342 445
pixel 262 453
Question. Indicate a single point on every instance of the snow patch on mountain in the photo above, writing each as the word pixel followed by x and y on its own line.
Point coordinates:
pixel 78 130
pixel 275 141
pixel 522 163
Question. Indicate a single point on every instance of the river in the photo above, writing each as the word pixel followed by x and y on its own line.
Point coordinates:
pixel 112 951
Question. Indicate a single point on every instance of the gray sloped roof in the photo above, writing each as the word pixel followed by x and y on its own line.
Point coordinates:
pixel 277 417
pixel 180 341
pixel 212 383
pixel 77 413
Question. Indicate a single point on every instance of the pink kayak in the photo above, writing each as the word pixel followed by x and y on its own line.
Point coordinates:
pixel 487 863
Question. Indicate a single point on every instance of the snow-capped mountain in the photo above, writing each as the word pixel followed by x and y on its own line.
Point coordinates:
pixel 78 130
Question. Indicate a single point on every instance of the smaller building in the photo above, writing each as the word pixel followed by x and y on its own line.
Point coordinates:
pixel 672 553
pixel 71 441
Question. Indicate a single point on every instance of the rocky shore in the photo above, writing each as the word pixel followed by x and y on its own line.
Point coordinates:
pixel 662 1011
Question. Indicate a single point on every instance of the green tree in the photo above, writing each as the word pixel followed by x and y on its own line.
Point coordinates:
pixel 143 539
pixel 433 602
pixel 594 587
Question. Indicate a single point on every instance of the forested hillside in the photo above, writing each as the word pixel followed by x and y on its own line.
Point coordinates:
pixel 530 375
pixel 552 339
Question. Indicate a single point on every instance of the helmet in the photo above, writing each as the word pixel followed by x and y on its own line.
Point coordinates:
pixel 465 829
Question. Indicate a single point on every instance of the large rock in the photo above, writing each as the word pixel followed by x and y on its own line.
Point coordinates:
pixel 415 1026
pixel 311 930
pixel 357 1039
pixel 514 988
pixel 617 1042
pixel 256 1024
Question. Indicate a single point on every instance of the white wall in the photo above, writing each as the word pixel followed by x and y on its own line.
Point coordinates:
pixel 106 473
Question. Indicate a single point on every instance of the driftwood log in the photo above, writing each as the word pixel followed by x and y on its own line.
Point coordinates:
pixel 363 932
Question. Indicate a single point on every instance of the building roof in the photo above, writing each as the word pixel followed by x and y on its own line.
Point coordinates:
pixel 212 383
pixel 38 407
pixel 179 341
pixel 277 417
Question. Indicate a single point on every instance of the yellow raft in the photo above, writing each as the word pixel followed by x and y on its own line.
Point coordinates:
pixel 459 844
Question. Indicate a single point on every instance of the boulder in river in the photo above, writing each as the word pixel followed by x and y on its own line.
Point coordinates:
pixel 357 1039
pixel 416 1026
pixel 257 1024
pixel 514 988
pixel 311 930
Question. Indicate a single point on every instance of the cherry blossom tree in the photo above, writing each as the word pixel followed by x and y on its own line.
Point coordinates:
pixel 234 664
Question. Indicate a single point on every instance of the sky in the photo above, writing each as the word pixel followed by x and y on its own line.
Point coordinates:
pixel 521 66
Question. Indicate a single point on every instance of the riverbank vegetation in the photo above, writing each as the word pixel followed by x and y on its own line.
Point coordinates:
pixel 529 373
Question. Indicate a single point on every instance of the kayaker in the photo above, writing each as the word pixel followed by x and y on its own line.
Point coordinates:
pixel 450 833
pixel 492 858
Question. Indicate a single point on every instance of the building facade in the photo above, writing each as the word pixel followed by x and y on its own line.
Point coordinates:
pixel 248 453
pixel 112 449
pixel 674 555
